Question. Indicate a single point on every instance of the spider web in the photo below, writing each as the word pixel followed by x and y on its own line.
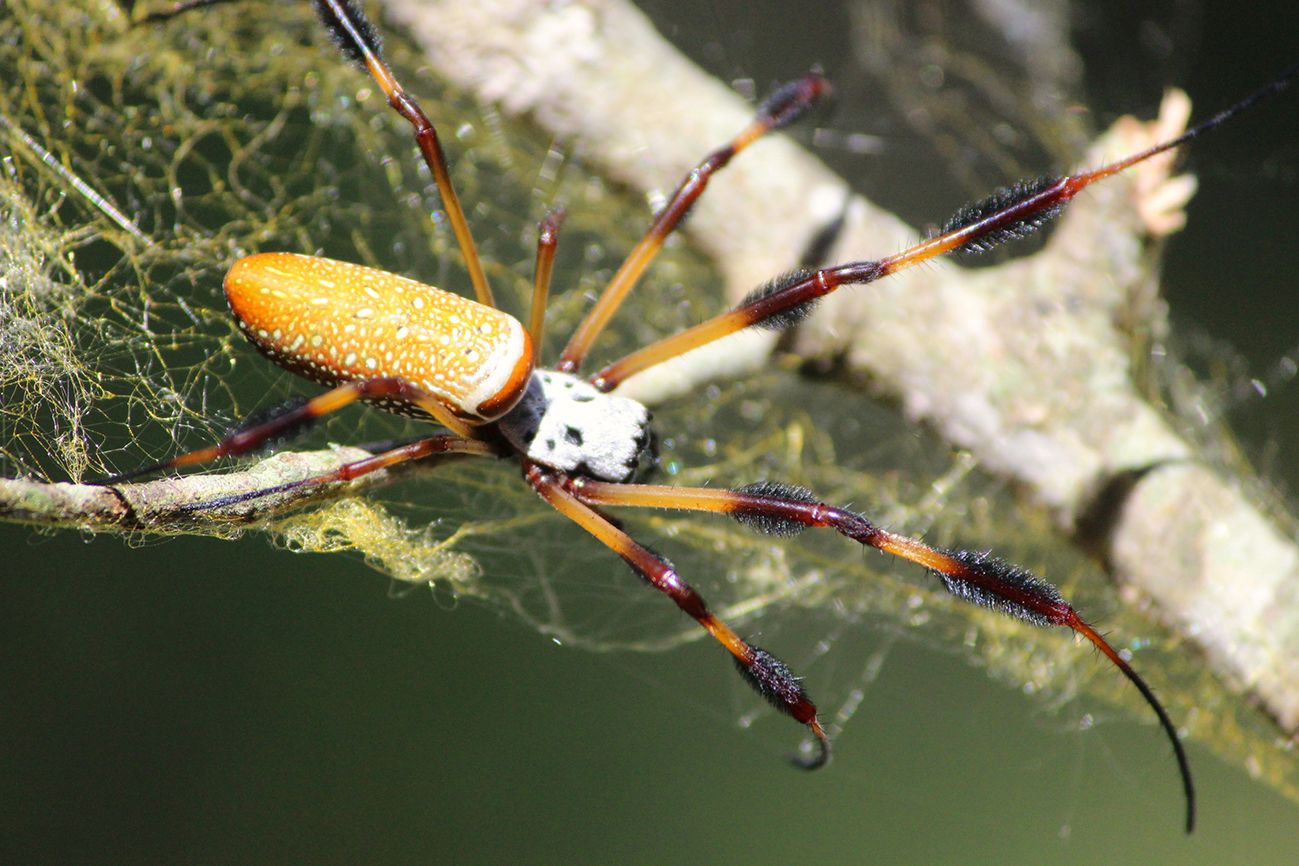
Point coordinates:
pixel 141 162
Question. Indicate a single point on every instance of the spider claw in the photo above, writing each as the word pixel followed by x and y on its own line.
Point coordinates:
pixel 822 746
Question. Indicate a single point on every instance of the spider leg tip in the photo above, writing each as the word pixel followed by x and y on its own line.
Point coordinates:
pixel 822 755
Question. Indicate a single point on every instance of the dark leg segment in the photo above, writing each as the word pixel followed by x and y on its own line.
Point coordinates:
pixel 296 417
pixel 441 444
pixel 768 675
pixel 781 509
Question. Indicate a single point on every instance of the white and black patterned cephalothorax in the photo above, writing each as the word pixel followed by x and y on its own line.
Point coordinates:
pixel 566 424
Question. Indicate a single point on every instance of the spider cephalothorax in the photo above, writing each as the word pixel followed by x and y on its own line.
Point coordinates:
pixel 568 425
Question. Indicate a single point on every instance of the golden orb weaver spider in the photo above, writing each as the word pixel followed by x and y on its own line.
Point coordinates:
pixel 577 446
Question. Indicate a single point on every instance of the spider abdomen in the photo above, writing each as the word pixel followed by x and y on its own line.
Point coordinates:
pixel 336 322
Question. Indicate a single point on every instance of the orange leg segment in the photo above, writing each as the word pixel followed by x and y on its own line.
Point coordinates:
pixel 780 109
pixel 547 241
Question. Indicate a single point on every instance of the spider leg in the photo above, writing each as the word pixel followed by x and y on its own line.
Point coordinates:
pixel 547 241
pixel 783 107
pixel 295 417
pixel 416 450
pixel 1009 214
pixel 360 42
pixel 764 672
pixel 783 509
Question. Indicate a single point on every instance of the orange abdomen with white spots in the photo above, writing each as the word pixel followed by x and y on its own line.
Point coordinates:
pixel 335 322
